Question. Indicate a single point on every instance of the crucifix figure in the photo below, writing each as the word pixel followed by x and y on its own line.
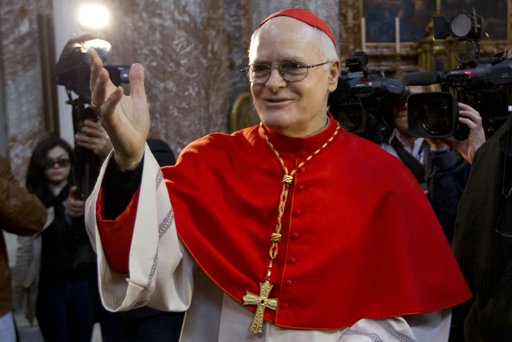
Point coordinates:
pixel 263 302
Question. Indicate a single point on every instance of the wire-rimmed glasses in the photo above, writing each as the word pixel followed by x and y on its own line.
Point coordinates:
pixel 290 71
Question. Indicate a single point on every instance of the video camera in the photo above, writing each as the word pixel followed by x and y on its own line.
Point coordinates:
pixel 362 100
pixel 482 83
pixel 73 72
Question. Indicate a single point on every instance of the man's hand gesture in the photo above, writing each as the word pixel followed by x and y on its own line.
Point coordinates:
pixel 124 117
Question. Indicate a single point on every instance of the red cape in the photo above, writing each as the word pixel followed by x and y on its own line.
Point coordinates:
pixel 360 239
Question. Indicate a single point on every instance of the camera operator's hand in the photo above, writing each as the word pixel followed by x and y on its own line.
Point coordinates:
pixel 124 117
pixel 467 148
pixel 92 136
pixel 73 207
pixel 471 118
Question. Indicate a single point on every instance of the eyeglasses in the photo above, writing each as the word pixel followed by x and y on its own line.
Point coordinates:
pixel 50 163
pixel 289 71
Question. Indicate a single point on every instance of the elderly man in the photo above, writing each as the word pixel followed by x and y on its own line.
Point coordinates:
pixel 293 230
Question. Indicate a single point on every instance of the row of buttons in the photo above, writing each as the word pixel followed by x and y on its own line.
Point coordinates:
pixel 293 236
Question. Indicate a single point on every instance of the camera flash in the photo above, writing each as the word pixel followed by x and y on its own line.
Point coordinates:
pixel 94 16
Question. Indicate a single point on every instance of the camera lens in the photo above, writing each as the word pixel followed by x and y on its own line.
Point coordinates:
pixel 351 117
pixel 433 117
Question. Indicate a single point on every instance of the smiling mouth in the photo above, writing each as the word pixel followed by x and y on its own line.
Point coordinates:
pixel 276 100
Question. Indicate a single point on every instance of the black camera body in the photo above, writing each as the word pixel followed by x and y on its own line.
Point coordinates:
pixel 485 88
pixel 73 70
pixel 433 115
pixel 482 83
pixel 362 100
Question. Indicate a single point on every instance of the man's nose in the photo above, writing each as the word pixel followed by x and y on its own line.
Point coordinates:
pixel 275 79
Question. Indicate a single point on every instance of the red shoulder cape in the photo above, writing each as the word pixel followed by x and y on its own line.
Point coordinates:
pixel 360 239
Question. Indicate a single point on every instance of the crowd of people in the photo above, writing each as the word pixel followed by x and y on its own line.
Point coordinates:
pixel 291 230
pixel 55 276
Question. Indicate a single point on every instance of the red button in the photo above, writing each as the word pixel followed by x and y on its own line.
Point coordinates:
pixel 284 306
pixel 292 260
pixel 300 188
pixel 294 236
pixel 289 283
pixel 302 169
pixel 297 213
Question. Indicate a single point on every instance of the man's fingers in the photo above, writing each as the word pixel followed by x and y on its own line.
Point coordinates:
pixel 92 130
pixel 114 98
pixel 86 141
pixel 96 66
pixel 136 76
pixel 109 106
pixel 100 89
pixel 469 112
pixel 468 122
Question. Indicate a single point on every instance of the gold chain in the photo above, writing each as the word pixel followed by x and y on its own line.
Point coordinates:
pixel 263 301
pixel 288 179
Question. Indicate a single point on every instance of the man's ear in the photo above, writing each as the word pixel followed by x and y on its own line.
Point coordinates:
pixel 334 73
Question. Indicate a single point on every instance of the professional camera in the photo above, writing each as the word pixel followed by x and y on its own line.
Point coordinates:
pixel 73 72
pixel 362 100
pixel 482 83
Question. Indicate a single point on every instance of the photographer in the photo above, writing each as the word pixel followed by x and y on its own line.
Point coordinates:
pixel 440 165
pixel 55 270
pixel 482 240
pixel 55 274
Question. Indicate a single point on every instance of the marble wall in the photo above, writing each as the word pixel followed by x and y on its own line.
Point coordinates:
pixel 192 51
pixel 21 88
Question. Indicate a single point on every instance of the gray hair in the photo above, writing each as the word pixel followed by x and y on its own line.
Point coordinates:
pixel 326 44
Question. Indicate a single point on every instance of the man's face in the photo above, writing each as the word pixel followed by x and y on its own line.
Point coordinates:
pixel 299 108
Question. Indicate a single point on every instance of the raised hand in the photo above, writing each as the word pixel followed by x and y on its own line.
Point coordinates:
pixel 124 117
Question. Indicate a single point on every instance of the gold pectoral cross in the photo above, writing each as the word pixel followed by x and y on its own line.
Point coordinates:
pixel 263 302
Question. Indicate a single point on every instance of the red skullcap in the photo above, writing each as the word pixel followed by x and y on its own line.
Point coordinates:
pixel 305 16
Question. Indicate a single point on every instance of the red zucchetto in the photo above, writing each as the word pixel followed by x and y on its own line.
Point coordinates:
pixel 305 16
